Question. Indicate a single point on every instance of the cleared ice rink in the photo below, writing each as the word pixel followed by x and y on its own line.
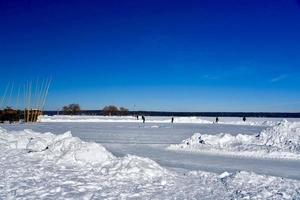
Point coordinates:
pixel 151 139
pixel 136 162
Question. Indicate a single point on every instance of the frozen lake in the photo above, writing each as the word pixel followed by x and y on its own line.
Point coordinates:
pixel 151 139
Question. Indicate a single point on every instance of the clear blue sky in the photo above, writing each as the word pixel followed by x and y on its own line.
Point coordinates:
pixel 213 55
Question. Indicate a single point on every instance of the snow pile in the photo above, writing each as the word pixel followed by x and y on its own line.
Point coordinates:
pixel 251 122
pixel 47 166
pixel 68 150
pixel 63 148
pixel 279 141
pixel 191 120
pixel 284 136
pixel 259 186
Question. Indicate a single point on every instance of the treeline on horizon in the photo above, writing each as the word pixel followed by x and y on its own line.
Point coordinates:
pixel 75 109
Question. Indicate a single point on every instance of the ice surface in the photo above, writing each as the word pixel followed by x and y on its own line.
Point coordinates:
pixel 143 140
pixel 47 166
pixel 280 141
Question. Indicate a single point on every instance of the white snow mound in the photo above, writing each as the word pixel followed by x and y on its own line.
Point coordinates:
pixel 69 150
pixel 279 141
pixel 63 148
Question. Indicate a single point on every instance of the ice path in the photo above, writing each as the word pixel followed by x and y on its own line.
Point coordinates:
pixel 211 163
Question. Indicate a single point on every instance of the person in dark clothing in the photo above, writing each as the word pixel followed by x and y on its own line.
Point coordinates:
pixel 244 118
pixel 172 120
pixel 143 118
pixel 137 117
pixel 217 119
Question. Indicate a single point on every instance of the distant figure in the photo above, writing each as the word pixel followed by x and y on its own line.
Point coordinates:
pixel 244 118
pixel 217 119
pixel 143 118
pixel 172 120
pixel 137 117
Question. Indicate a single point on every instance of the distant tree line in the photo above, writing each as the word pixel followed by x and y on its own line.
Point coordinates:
pixel 114 110
pixel 74 109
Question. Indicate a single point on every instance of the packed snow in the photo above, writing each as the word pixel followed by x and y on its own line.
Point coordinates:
pixel 281 141
pixel 46 166
pixel 155 119
pixel 132 119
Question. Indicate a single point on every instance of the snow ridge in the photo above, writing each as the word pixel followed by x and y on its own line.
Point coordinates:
pixel 280 141
pixel 156 119
pixel 131 119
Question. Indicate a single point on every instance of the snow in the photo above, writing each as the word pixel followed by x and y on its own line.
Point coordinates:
pixel 142 140
pixel 85 118
pixel 132 119
pixel 282 141
pixel 155 119
pixel 47 166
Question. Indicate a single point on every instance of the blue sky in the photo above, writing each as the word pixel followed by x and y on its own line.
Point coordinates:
pixel 234 55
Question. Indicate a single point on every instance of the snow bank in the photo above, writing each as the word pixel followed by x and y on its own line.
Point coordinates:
pixel 191 120
pixel 83 118
pixel 68 150
pixel 63 148
pixel 279 141
pixel 251 122
pixel 248 185
pixel 153 119
pixel 48 166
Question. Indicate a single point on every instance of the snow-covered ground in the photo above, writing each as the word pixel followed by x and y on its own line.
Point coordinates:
pixel 279 141
pixel 153 119
pixel 131 161
pixel 35 166
pixel 131 119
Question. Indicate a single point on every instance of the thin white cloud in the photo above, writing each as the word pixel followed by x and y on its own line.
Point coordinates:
pixel 211 76
pixel 278 78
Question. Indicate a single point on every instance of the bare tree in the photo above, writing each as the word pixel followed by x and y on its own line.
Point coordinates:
pixel 110 110
pixel 114 110
pixel 71 109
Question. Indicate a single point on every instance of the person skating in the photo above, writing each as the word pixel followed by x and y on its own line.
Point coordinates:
pixel 217 120
pixel 172 120
pixel 143 118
